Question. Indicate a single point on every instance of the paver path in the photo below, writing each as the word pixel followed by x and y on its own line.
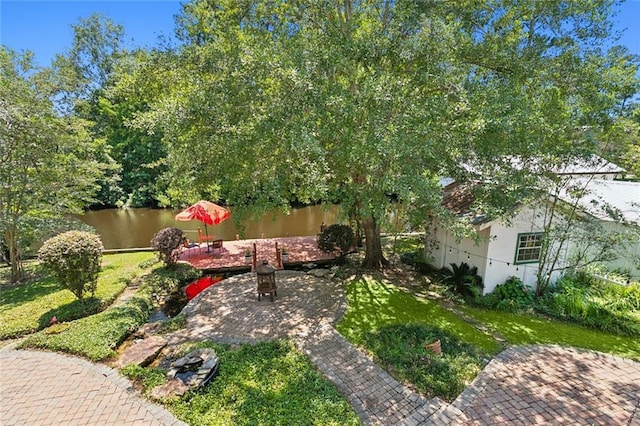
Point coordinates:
pixel 304 310
pixel 525 385
pixel 553 385
pixel 41 388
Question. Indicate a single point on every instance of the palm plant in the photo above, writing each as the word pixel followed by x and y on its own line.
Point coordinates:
pixel 462 279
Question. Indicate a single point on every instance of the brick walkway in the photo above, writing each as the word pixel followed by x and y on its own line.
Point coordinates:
pixel 553 385
pixel 305 309
pixel 526 385
pixel 41 388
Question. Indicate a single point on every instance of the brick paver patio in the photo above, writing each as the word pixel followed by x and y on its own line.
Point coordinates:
pixel 524 385
pixel 554 385
pixel 41 388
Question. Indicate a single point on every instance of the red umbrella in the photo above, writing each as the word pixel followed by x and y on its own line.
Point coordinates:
pixel 206 212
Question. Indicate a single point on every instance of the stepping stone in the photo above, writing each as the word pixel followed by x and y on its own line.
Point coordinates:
pixel 142 352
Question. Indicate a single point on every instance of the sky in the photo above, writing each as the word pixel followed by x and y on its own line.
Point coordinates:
pixel 44 26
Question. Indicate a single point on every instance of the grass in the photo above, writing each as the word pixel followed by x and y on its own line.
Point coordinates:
pixel 400 350
pixel 393 326
pixel 523 329
pixel 95 337
pixel 28 307
pixel 374 304
pixel 264 384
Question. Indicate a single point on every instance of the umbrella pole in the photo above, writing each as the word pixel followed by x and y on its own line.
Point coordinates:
pixel 206 232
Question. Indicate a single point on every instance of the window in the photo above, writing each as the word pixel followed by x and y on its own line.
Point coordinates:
pixel 529 247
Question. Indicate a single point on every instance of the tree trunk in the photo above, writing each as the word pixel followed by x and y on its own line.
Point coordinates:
pixel 10 238
pixel 373 259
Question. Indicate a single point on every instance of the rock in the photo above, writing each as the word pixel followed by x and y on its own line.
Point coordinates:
pixel 309 266
pixel 196 368
pixel 142 352
pixel 174 387
pixel 320 273
pixel 147 330
pixel 188 361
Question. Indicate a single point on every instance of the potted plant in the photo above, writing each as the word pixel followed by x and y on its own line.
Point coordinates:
pixel 284 254
pixel 433 346
pixel 247 255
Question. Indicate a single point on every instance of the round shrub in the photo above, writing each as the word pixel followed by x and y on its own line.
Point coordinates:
pixel 336 237
pixel 167 241
pixel 75 258
pixel 511 296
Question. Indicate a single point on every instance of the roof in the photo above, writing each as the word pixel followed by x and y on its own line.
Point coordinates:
pixel 458 199
pixel 609 200
pixel 589 166
pixel 576 166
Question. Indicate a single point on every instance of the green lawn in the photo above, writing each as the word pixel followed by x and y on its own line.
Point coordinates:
pixel 263 384
pixel 522 329
pixel 374 304
pixel 29 307
pixel 95 337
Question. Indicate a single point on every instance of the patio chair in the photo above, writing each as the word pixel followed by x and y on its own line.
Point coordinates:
pixel 216 244
pixel 188 246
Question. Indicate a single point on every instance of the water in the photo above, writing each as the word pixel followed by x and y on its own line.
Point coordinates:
pixel 134 228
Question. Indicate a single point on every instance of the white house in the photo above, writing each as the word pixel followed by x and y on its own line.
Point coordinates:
pixel 513 249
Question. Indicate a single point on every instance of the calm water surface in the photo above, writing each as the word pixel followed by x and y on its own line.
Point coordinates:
pixel 132 228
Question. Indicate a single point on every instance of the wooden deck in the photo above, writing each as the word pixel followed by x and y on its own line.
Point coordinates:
pixel 230 258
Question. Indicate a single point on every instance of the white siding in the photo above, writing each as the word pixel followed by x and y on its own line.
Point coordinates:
pixel 502 250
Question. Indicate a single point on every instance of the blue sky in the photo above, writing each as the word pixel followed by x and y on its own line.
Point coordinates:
pixel 44 26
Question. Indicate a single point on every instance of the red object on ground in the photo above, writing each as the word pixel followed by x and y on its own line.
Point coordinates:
pixel 193 289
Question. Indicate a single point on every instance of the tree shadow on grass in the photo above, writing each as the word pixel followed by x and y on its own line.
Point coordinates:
pixel 25 293
pixel 71 311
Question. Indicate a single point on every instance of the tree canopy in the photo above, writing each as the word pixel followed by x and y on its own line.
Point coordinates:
pixel 48 162
pixel 365 102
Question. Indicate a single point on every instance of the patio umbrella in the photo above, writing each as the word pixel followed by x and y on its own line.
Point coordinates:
pixel 206 212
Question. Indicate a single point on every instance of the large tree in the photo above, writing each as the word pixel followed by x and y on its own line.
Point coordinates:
pixel 362 102
pixel 85 74
pixel 48 162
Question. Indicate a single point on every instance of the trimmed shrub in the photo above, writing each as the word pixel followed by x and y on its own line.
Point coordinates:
pixel 510 296
pixel 336 237
pixel 75 257
pixel 167 241
pixel 167 280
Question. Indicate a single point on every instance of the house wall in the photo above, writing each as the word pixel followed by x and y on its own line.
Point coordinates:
pixel 450 250
pixel 502 250
pixel 494 255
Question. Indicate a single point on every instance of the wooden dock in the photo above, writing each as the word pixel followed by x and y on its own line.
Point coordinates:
pixel 231 257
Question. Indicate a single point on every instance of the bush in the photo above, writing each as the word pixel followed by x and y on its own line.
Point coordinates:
pixel 579 298
pixel 95 337
pixel 169 279
pixel 75 258
pixel 336 237
pixel 167 241
pixel 510 296
pixel 412 257
pixel 462 279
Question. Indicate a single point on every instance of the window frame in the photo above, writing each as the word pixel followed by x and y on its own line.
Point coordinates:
pixel 519 249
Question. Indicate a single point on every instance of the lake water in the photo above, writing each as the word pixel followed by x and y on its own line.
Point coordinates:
pixel 134 228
